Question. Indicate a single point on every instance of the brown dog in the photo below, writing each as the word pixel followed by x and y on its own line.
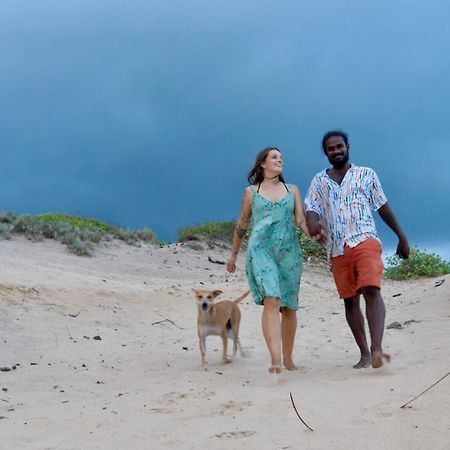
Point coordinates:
pixel 220 319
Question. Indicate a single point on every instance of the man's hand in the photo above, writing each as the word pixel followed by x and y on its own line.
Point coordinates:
pixel 403 248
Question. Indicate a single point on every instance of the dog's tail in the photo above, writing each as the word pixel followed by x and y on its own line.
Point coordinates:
pixel 241 298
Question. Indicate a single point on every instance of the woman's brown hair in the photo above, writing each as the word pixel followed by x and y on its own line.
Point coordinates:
pixel 256 174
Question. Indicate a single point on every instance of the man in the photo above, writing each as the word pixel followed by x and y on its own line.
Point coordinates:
pixel 338 211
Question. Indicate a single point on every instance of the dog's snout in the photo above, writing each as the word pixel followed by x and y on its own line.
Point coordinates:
pixel 205 306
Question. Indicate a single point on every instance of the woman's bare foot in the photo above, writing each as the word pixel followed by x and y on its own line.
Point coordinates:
pixel 363 362
pixel 379 359
pixel 275 369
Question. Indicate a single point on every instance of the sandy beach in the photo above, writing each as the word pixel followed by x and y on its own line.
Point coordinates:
pixel 103 353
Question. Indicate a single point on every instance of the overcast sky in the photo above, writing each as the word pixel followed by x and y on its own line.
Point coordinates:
pixel 150 113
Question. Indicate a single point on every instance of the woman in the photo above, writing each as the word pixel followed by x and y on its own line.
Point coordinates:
pixel 274 260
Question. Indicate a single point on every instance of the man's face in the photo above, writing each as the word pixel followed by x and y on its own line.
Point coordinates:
pixel 337 152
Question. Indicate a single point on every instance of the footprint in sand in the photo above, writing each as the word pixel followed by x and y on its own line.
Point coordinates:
pixel 173 397
pixel 161 410
pixel 235 434
pixel 231 407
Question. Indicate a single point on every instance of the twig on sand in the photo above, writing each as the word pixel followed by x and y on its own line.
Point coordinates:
pixel 298 415
pixel 167 320
pixel 215 261
pixel 70 336
pixel 434 384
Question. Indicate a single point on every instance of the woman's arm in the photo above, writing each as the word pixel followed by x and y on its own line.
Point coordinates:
pixel 299 212
pixel 241 228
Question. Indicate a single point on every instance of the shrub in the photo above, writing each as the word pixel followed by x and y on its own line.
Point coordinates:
pixel 146 235
pixel 78 233
pixel 214 230
pixel 5 231
pixel 311 249
pixel 7 217
pixel 128 236
pixel 419 264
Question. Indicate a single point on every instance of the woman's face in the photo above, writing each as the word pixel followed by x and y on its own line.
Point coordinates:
pixel 273 163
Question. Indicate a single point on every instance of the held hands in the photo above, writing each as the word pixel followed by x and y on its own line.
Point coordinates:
pixel 318 233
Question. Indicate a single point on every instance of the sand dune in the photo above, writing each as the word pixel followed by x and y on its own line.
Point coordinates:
pixel 103 354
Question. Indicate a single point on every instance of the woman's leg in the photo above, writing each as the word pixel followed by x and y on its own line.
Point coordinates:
pixel 288 329
pixel 272 331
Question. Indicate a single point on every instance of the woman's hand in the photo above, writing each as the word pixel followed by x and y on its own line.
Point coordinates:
pixel 231 264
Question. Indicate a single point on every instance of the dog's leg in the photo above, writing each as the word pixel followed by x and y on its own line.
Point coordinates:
pixel 202 342
pixel 226 358
pixel 235 323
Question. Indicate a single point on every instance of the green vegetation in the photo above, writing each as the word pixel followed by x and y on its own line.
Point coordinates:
pixel 419 264
pixel 214 230
pixel 311 249
pixel 76 221
pixel 79 234
pixel 223 231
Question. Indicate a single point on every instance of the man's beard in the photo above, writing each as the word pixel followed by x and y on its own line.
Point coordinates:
pixel 341 163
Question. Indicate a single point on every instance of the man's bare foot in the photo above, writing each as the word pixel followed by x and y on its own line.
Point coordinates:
pixel 275 369
pixel 363 362
pixel 379 359
pixel 290 365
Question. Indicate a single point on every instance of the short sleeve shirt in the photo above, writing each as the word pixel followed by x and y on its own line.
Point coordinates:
pixel 346 209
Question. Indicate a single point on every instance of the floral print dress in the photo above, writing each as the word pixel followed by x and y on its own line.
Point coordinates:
pixel 274 260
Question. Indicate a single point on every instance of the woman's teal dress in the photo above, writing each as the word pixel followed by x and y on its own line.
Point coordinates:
pixel 274 260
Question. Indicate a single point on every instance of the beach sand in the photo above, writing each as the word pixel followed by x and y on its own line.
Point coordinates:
pixel 103 353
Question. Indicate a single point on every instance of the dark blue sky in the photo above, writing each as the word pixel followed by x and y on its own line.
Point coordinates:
pixel 150 113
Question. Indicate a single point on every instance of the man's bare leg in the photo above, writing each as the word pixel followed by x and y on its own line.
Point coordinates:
pixel 355 321
pixel 375 313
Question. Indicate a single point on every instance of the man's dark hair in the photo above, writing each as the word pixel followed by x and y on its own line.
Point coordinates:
pixel 329 134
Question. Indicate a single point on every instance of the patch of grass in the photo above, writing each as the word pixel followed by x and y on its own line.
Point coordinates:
pixel 223 231
pixel 76 221
pixel 419 264
pixel 214 230
pixel 311 249
pixel 80 234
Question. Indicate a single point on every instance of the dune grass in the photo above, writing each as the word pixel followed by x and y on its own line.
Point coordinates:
pixel 419 264
pixel 224 230
pixel 213 230
pixel 79 234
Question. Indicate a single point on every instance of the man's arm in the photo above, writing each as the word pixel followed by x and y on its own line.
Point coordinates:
pixel 389 219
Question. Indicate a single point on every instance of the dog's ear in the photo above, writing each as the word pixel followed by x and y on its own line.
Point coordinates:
pixel 217 293
pixel 194 291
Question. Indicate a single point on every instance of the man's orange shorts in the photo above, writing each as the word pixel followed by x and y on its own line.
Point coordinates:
pixel 358 267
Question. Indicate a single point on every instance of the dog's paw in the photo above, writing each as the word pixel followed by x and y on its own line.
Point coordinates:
pixel 227 360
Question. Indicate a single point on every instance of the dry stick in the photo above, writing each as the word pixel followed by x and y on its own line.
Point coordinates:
pixel 215 261
pixel 298 415
pixel 167 320
pixel 70 336
pixel 417 396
